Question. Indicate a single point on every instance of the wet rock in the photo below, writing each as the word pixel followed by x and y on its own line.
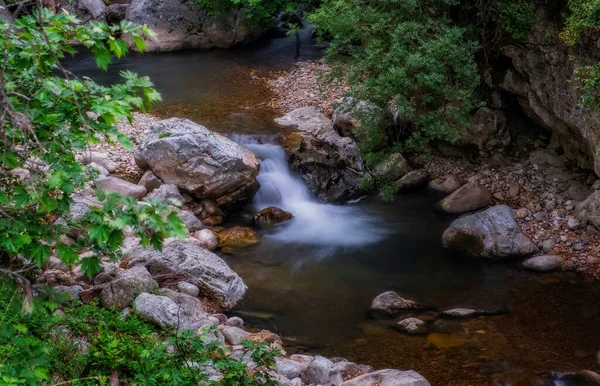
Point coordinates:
pixel 469 197
pixel 321 371
pixel 271 216
pixel 390 302
pixel 493 234
pixel 413 180
pixel 389 378
pixel 167 194
pixel 237 237
pixel 188 288
pixel 213 221
pixel 393 167
pixel 446 185
pixel 122 187
pixel 207 239
pixel 198 161
pixel 412 326
pixel 200 266
pixel 545 263
pixel 185 25
pixel 149 180
pixel 460 313
pixel 126 286
pixel 329 164
pixel 350 112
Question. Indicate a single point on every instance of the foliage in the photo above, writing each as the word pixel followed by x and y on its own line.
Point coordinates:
pixel 38 346
pixel 48 116
pixel 516 17
pixel 258 12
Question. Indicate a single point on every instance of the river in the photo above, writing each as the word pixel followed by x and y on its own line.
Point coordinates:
pixel 312 280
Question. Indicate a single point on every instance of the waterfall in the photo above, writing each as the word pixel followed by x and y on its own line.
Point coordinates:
pixel 314 223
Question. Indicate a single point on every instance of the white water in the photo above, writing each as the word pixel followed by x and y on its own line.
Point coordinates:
pixel 314 223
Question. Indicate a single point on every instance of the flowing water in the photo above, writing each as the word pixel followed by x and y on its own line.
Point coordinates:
pixel 312 279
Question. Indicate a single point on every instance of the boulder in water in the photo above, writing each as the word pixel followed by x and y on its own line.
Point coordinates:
pixel 493 234
pixel 389 377
pixel 198 161
pixel 390 302
pixel 413 180
pixel 544 263
pixel 469 197
pixel 412 326
pixel 236 237
pixel 271 215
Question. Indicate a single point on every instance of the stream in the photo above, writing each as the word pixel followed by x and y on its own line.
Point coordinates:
pixel 312 279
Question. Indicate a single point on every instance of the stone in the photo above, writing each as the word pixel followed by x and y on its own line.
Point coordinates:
pixel 89 157
pixel 158 310
pixel 349 113
pixel 522 213
pixel 412 326
pixel 213 221
pixel 588 377
pixel 488 131
pixel 180 26
pixel 168 194
pixel 492 234
pixel 20 173
pixel 271 216
pixel 572 223
pixel 330 165
pixel 548 246
pixel 190 220
pixel 149 180
pixel 546 263
pixel 237 237
pixel 389 377
pixel 191 309
pixel 321 371
pixel 207 239
pixel 546 157
pixel 205 164
pixel 393 167
pixel 469 197
pixel 126 286
pixel 188 288
pixel 102 172
pixel 462 313
pixel 116 185
pixel 69 293
pixel 588 211
pixel 188 257
pixel 236 322
pixel 289 368
pixel 349 370
pixel 413 180
pixel 4 12
pixel 514 189
pixel 577 191
pixel 96 8
pixel 390 302
pixel 116 12
pixel 446 185
pixel 234 335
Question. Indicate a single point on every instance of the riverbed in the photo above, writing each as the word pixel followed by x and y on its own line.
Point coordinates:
pixel 312 280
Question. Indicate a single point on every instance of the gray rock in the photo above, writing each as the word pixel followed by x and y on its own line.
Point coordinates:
pixel 168 194
pixel 413 180
pixel 102 172
pixel 191 309
pixel 70 293
pixel 289 368
pixel 4 12
pixel 572 223
pixel 101 159
pixel 350 370
pixel 126 286
pixel 412 326
pixel 577 191
pixel 321 371
pixel 588 211
pixel 391 303
pixel 446 185
pixel 237 322
pixel 198 161
pixel 188 288
pixel 389 378
pixel 203 268
pixel 122 187
pixel 393 167
pixel 493 234
pixel 207 239
pixel 149 180
pixel 548 245
pixel 116 12
pixel 329 164
pixel 349 114
pixel 460 313
pixel 78 210
pixel 159 310
pixel 234 335
pixel 469 197
pixel 190 220
pixel 543 263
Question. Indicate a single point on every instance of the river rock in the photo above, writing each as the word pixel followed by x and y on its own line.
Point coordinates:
pixel 446 185
pixel 329 164
pixel 349 113
pixel 545 263
pixel 413 180
pixel 289 368
pixel 390 302
pixel 203 268
pixel 167 194
pixel 198 161
pixel 412 326
pixel 184 25
pixel 588 211
pixel 188 288
pixel 207 239
pixel 493 233
pixel 469 197
pixel 234 335
pixel 190 220
pixel 126 286
pixel 389 378
pixel 236 321
pixel 122 187
pixel 150 181
pixel 271 216
pixel 321 371
pixel 191 308
pixel 159 310
pixel 237 237
pixel 393 167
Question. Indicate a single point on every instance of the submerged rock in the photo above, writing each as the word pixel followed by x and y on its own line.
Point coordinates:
pixel 412 326
pixel 271 215
pixel 493 234
pixel 198 161
pixel 329 164
pixel 389 378
pixel 390 302
pixel 469 197
pixel 237 237
pixel 544 263
pixel 460 313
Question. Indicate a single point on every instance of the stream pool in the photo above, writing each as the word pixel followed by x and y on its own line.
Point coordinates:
pixel 313 281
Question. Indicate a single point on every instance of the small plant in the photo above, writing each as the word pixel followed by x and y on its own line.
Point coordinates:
pixel 516 17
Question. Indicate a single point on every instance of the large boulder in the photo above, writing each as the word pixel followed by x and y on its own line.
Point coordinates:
pixel 329 164
pixel 321 371
pixel 126 286
pixel 205 164
pixel 171 310
pixel 201 267
pixel 493 234
pixel 469 197
pixel 389 378
pixel 446 185
pixel 183 25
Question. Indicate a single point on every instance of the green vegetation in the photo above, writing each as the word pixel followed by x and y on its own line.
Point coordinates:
pixel 258 12
pixel 515 17
pixel 88 344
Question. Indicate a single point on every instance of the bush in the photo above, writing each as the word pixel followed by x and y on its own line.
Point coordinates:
pixel 258 12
